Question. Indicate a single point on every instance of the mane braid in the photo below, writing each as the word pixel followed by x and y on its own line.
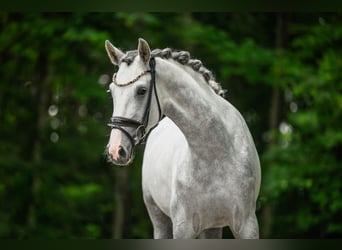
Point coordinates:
pixel 184 58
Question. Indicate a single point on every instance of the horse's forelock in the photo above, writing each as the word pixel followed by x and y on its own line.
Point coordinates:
pixel 129 57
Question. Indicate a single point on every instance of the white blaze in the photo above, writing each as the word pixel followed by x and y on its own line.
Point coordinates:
pixel 115 143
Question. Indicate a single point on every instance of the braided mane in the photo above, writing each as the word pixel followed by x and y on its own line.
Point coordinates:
pixel 183 57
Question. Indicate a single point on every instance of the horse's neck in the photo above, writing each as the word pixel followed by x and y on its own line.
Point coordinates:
pixel 194 108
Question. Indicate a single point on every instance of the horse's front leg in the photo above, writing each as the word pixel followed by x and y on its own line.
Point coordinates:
pixel 249 230
pixel 183 230
pixel 162 225
pixel 186 222
pixel 189 229
pixel 211 233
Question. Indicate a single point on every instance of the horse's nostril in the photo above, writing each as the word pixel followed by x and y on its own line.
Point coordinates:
pixel 122 152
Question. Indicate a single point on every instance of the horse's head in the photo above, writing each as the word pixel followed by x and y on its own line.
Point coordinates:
pixel 136 109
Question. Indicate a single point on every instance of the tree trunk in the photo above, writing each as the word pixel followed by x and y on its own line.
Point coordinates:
pixel 120 211
pixel 41 97
pixel 275 110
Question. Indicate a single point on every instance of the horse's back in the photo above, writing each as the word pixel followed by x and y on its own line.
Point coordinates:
pixel 166 148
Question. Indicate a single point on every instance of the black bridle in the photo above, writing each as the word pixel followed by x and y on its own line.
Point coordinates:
pixel 118 122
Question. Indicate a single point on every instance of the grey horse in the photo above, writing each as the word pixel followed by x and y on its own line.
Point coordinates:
pixel 201 170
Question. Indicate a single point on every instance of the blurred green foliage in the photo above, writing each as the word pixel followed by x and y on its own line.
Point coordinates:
pixel 55 181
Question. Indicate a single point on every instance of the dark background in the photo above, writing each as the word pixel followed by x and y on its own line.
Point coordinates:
pixel 281 70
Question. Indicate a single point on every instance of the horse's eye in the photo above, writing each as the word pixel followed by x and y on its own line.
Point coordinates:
pixel 141 91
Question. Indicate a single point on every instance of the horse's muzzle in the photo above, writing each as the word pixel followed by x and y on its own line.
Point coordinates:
pixel 119 156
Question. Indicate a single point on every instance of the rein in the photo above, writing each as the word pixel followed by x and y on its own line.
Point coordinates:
pixel 118 122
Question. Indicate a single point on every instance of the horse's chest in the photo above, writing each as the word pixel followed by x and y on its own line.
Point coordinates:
pixel 211 204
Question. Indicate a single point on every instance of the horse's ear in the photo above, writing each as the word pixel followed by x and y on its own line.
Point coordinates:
pixel 114 54
pixel 144 50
